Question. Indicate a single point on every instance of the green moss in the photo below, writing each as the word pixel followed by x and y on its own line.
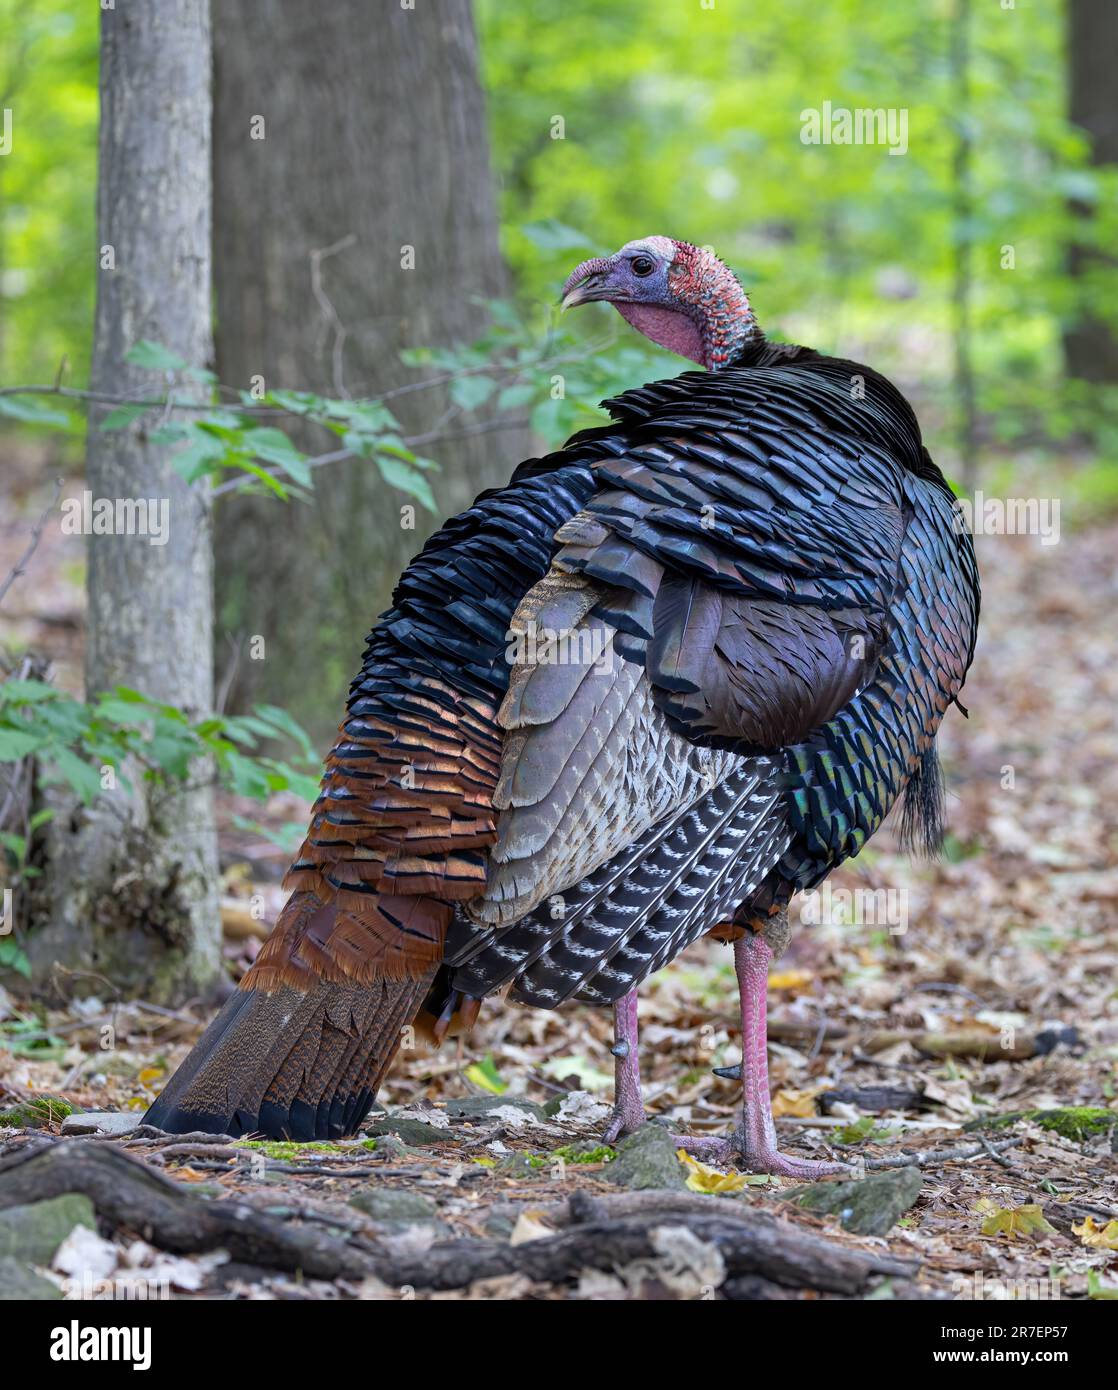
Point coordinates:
pixel 583 1153
pixel 1075 1122
pixel 34 1113
pixel 288 1152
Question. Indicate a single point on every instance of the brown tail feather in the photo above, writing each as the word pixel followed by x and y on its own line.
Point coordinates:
pixel 291 1063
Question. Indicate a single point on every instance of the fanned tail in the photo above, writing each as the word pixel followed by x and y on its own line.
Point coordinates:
pixel 292 1060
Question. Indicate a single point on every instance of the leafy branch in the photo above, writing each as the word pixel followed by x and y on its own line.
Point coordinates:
pixel 235 441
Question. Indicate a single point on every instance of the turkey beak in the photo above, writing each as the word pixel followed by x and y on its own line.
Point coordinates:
pixel 589 282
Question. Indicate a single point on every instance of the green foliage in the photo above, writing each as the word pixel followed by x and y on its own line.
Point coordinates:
pixel 48 79
pixel 76 742
pixel 686 120
pixel 863 1130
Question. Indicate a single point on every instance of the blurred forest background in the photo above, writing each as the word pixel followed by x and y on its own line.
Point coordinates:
pixel 324 250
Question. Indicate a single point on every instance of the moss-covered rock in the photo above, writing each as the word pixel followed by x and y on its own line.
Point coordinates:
pixel 33 1233
pixel 647 1159
pixel 20 1284
pixel 1076 1122
pixel 868 1207
pixel 36 1113
pixel 394 1206
pixel 417 1133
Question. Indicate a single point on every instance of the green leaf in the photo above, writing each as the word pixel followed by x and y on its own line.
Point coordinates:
pixel 17 743
pixel 14 957
pixel 285 724
pixel 30 412
pixel 513 396
pixel 486 1075
pixel 26 692
pixel 154 356
pixel 273 446
pixel 408 479
pixel 471 391
pixel 85 780
pixel 123 416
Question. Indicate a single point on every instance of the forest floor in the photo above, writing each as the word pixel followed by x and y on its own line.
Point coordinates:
pixel 931 1000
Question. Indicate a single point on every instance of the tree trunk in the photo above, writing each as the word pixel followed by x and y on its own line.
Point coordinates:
pixel 134 879
pixel 361 136
pixel 1091 345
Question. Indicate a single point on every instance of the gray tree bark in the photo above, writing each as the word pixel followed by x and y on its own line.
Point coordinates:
pixel 370 138
pixel 134 879
pixel 1091 345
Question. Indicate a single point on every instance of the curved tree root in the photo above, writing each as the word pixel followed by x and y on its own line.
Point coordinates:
pixel 596 1233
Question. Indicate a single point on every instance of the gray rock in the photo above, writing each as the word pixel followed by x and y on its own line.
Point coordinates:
pixel 868 1207
pixel 102 1122
pixel 18 1284
pixel 33 1233
pixel 472 1106
pixel 391 1147
pixel 519 1165
pixel 393 1205
pixel 646 1159
pixel 414 1132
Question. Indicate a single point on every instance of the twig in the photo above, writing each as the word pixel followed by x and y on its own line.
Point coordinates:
pixel 935 1158
pixel 33 544
pixel 326 304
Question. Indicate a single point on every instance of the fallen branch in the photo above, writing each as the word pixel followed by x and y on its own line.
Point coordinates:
pixel 936 1158
pixel 605 1233
pixel 130 1195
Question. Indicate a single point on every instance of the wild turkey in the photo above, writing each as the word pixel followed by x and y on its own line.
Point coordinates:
pixel 672 673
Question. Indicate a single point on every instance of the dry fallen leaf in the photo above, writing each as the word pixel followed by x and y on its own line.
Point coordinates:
pixel 800 1104
pixel 529 1226
pixel 798 980
pixel 1102 1237
pixel 1027 1220
pixel 702 1178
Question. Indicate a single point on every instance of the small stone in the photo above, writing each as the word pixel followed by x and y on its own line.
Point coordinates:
pixel 646 1159
pixel 19 1284
pixel 471 1106
pixel 867 1207
pixel 519 1165
pixel 34 1232
pixel 102 1122
pixel 394 1206
pixel 390 1147
pixel 414 1132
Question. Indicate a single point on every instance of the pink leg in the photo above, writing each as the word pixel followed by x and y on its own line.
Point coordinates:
pixel 628 1108
pixel 754 1143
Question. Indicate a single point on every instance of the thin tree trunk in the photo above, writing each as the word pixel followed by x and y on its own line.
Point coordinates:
pixel 134 880
pixel 1091 345
pixel 362 136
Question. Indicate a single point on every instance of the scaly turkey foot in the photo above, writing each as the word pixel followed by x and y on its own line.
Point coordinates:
pixel 731 1153
pixel 628 1109
pixel 752 1146
pixel 626 1119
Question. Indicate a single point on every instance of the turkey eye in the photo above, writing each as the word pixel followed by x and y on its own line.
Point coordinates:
pixel 642 265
